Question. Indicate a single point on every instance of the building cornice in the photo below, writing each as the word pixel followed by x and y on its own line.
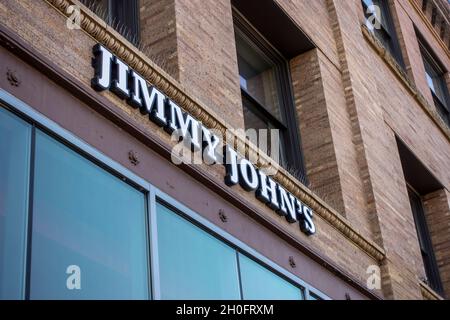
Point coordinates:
pixel 104 34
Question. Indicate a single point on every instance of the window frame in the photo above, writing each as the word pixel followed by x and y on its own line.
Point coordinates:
pixel 27 113
pixel 393 45
pixel 442 104
pixel 289 122
pixel 424 239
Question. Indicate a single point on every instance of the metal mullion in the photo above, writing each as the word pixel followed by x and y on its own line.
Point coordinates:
pixel 154 250
pixel 238 262
pixel 261 109
pixel 29 226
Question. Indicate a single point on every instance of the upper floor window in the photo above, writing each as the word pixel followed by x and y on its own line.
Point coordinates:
pixel 426 247
pixel 435 76
pixel 122 15
pixel 379 21
pixel 267 95
pixel 421 182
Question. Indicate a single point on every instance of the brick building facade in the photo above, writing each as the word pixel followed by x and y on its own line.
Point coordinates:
pixel 374 139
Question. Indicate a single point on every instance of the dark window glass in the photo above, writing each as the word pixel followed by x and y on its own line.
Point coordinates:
pixel 381 24
pixel 259 283
pixel 122 15
pixel 267 95
pixel 258 75
pixel 15 142
pixel 435 77
pixel 83 216
pixel 426 247
pixel 255 119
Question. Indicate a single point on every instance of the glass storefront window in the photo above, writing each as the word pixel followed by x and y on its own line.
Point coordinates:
pixel 193 264
pixel 259 283
pixel 15 141
pixel 196 265
pixel 86 218
pixel 88 233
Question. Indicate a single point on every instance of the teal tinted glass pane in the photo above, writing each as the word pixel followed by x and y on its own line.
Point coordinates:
pixel 85 217
pixel 193 264
pixel 259 283
pixel 15 137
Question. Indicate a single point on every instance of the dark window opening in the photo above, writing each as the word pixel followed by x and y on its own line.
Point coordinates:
pixel 267 95
pixel 435 76
pixel 421 182
pixel 122 15
pixel 381 24
pixel 426 247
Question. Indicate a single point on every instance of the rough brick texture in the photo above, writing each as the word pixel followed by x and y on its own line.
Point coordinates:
pixel 158 33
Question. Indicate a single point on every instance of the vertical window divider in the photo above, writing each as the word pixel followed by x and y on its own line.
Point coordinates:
pixel 154 253
pixel 29 223
pixel 306 295
pixel 148 246
pixel 238 264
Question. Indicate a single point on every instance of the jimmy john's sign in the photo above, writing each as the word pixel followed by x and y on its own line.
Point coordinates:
pixel 113 74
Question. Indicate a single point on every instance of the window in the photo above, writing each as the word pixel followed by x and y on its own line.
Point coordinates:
pixel 435 77
pixel 379 21
pixel 426 248
pixel 84 216
pixel 193 264
pixel 211 269
pixel 421 182
pixel 267 95
pixel 15 139
pixel 259 283
pixel 122 15
pixel 59 213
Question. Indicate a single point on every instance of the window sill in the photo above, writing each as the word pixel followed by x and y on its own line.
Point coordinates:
pixel 428 293
pixel 429 109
